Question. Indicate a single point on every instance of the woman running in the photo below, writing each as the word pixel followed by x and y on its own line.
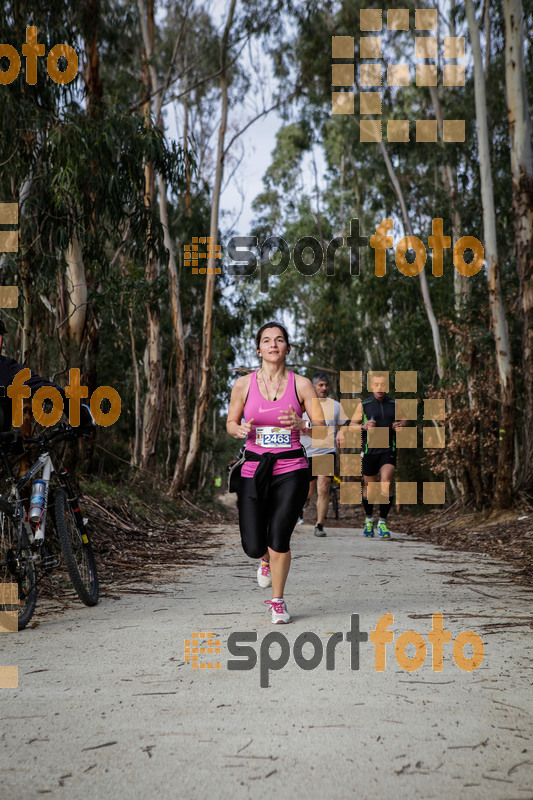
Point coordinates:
pixel 275 475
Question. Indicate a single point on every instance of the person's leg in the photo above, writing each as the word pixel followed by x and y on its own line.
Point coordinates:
pixel 369 507
pixel 280 564
pixel 286 495
pixel 322 503
pixel 370 475
pixel 310 493
pixel 253 519
pixel 386 477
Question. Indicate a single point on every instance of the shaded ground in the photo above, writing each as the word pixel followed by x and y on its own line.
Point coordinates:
pixel 109 704
pixel 507 535
pixel 131 547
pixel 137 542
pixel 143 722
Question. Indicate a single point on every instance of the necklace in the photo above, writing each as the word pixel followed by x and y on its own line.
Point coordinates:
pixel 277 387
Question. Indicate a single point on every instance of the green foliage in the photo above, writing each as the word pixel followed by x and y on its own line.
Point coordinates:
pixel 84 173
pixel 349 322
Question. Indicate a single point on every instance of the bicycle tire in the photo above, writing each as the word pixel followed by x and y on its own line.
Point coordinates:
pixel 17 566
pixel 77 550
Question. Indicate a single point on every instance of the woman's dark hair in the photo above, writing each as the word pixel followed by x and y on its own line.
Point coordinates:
pixel 271 325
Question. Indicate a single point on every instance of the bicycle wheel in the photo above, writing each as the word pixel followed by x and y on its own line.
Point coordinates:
pixel 18 567
pixel 77 550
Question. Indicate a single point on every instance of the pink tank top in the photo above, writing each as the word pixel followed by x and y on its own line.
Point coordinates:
pixel 265 415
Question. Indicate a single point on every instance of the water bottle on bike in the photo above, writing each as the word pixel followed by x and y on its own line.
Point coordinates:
pixel 37 502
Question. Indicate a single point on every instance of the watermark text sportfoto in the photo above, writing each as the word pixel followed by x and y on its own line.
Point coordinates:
pixel 247 261
pixel 246 655
pixel 32 50
pixel 74 392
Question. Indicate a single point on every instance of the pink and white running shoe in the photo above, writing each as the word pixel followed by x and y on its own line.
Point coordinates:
pixel 263 575
pixel 280 615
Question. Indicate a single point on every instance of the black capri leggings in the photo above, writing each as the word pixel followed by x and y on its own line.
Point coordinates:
pixel 269 521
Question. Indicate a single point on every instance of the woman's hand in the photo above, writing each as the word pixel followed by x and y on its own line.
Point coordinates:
pixel 244 429
pixel 290 419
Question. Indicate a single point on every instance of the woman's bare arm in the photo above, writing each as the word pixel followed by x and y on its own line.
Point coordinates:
pixel 234 425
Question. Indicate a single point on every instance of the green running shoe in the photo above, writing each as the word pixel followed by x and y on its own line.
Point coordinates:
pixel 369 528
pixel 383 530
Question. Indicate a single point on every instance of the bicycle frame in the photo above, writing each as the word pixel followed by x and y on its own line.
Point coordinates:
pixel 70 525
pixel 44 463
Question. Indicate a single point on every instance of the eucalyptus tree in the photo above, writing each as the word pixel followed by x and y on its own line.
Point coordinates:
pixel 204 78
pixel 75 168
pixel 422 181
pixel 498 316
pixel 519 117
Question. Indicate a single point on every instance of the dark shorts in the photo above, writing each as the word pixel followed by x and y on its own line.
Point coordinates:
pixel 373 463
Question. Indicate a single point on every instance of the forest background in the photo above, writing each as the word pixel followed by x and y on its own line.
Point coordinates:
pixel 115 172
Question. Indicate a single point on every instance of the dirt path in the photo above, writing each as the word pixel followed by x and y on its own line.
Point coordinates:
pixel 107 705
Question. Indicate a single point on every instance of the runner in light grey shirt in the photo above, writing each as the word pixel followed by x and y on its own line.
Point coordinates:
pixel 334 417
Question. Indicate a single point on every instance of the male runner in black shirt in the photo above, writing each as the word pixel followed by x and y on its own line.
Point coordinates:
pixel 379 411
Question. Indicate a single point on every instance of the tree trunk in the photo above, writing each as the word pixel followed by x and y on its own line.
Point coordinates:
pixel 153 368
pixel 76 292
pixel 95 92
pixel 202 401
pixel 502 498
pixel 181 382
pixel 94 84
pixel 25 276
pixel 522 177
pixel 437 346
pixel 136 453
pixel 461 283
pixel 461 288
pixel 188 207
pixel 25 279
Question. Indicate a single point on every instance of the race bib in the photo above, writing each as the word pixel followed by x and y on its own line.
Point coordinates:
pixel 273 437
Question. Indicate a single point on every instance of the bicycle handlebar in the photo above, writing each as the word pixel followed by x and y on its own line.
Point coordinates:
pixel 59 430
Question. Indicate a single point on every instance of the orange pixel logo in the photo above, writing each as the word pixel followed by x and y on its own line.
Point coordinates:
pixel 9 243
pixel 191 255
pixel 9 604
pixel 433 436
pixel 209 646
pixel 371 73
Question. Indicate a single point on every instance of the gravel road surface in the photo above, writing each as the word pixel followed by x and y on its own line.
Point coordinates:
pixel 108 706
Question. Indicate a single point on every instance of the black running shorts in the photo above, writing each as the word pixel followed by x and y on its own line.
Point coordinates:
pixel 373 463
pixel 269 521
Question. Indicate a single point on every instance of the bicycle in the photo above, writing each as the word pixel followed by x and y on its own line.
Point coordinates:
pixel 22 534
